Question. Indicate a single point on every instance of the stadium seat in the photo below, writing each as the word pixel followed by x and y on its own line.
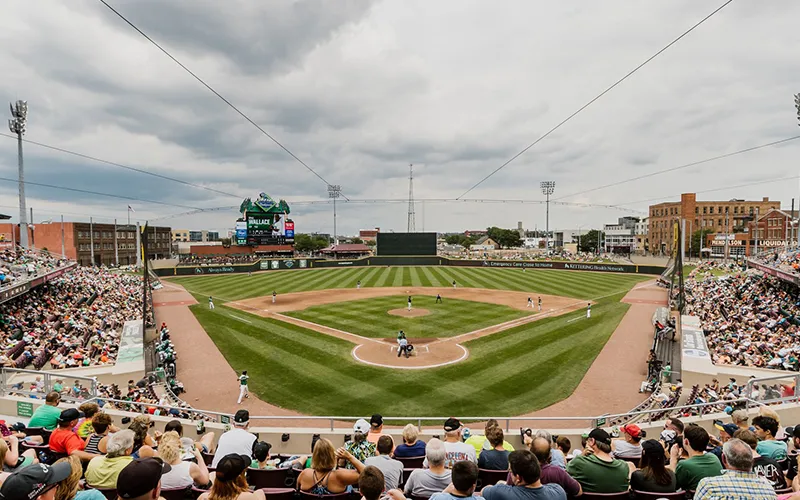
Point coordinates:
pixel 269 478
pixel 488 477
pixel 412 462
pixel 277 493
pixel 648 495
pixel 783 491
pixel 207 457
pixel 406 475
pixel 38 431
pixel 178 494
pixel 623 495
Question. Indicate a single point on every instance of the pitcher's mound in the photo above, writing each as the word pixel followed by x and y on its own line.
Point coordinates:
pixel 409 314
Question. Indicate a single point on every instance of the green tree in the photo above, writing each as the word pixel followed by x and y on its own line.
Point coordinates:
pixel 303 243
pixel 371 243
pixel 504 237
pixel 357 241
pixel 699 240
pixel 454 239
pixel 589 241
pixel 319 242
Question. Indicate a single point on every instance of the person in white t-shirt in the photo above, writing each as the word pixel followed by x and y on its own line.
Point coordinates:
pixel 455 449
pixel 236 440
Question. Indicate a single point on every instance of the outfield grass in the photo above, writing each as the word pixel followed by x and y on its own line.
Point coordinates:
pixel 512 372
pixel 370 317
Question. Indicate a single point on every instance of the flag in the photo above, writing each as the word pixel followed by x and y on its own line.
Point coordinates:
pixel 130 209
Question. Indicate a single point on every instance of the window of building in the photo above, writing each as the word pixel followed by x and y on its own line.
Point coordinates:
pixel 736 210
pixel 704 210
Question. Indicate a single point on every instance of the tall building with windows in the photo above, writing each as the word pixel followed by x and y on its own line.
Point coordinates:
pixel 730 216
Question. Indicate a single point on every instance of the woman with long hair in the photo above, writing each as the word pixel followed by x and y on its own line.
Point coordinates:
pixel 359 446
pixel 653 474
pixel 68 488
pixel 184 473
pixel 11 460
pixel 230 482
pixel 143 443
pixel 323 477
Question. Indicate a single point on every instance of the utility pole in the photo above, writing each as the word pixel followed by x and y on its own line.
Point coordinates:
pixel 19 112
pixel 727 233
pixel 755 252
pixel 547 189
pixel 63 251
pixel 116 249
pixel 412 223
pixel 334 191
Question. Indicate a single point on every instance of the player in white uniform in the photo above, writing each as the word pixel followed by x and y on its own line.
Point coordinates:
pixel 588 310
pixel 409 302
pixel 358 285
pixel 243 392
pixel 274 296
pixel 540 304
pixel 210 302
pixel 530 303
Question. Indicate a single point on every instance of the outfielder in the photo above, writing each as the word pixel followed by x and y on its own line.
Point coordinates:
pixel 210 302
pixel 588 310
pixel 243 392
pixel 438 298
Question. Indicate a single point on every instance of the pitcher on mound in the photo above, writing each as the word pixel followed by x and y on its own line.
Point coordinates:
pixel 243 392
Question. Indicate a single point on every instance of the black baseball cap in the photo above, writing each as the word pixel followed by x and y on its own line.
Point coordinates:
pixel 376 420
pixel 140 476
pixel 34 480
pixel 69 415
pixel 241 416
pixel 231 466
pixel 652 446
pixel 452 424
pixel 261 448
pixel 600 436
pixel 793 431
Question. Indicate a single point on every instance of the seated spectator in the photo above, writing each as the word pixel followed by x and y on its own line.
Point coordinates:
pixel 37 482
pixel 96 441
pixel 699 465
pixel 434 479
pixel 10 457
pixel 102 471
pixel 527 481
pixel 726 432
pixel 629 445
pixel 391 469
pixel 768 446
pixel 549 472
pixel 464 480
pixel 184 473
pixel 206 441
pixel 740 419
pixel 69 488
pixel 598 471
pixel 84 425
pixel 141 479
pixel 375 429
pixel 359 446
pixel 371 483
pixel 738 480
pixel 143 443
pixel 64 441
pixel 237 440
pixel 794 434
pixel 653 474
pixel 766 467
pixel 556 457
pixel 261 456
pixel 480 442
pixel 47 415
pixel 455 448
pixel 323 478
pixel 412 446
pixel 564 445
pixel 495 458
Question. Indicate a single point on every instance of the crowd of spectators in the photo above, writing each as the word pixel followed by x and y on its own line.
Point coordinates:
pixel 788 261
pixel 749 319
pixel 19 264
pixel 225 260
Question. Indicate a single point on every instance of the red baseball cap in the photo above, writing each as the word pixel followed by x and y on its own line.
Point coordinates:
pixel 632 430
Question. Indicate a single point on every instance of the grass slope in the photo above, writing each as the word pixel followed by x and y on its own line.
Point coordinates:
pixel 370 317
pixel 514 372
pixel 577 284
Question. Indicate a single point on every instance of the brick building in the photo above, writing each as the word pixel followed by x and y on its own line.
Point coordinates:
pixel 701 215
pixel 77 240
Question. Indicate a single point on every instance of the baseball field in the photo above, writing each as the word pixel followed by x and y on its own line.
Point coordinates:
pixel 299 351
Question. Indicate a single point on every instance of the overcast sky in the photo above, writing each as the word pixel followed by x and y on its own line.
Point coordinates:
pixel 359 89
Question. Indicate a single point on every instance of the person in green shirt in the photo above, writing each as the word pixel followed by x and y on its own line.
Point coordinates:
pixel 699 465
pixel 768 446
pixel 58 386
pixel 47 415
pixel 596 470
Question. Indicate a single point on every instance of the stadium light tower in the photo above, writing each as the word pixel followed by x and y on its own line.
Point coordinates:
pixel 19 112
pixel 547 189
pixel 334 191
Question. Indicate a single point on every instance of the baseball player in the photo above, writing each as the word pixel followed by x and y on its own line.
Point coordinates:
pixel 243 392
pixel 540 304
pixel 409 302
pixel 588 310
pixel 358 285
pixel 438 299
pixel 211 302
pixel 274 296
pixel 402 347
pixel 530 303
pixel 454 283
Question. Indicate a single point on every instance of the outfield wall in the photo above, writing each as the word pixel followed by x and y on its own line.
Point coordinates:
pixel 269 264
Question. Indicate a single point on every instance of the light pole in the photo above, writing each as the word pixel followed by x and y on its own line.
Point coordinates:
pixel 547 189
pixel 19 112
pixel 334 191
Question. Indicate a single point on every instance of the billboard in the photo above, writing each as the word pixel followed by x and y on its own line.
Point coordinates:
pixel 241 232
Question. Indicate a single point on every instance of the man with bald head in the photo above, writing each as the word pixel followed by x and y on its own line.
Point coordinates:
pixel 552 473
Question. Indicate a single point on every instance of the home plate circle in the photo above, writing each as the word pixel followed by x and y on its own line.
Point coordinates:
pixel 413 313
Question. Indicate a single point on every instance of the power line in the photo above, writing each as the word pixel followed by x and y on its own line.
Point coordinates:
pixel 97 193
pixel 119 165
pixel 687 165
pixel 220 96
pixel 565 120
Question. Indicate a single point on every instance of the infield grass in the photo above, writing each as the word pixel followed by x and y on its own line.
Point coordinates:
pixel 371 318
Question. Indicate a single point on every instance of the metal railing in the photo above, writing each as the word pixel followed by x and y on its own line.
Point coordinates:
pixel 28 377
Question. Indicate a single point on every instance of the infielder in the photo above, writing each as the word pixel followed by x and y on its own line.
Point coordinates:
pixel 588 310
pixel 438 299
pixel 210 302
pixel 409 302
pixel 530 303
pixel 358 285
pixel 274 296
pixel 540 304
pixel 454 283
pixel 243 392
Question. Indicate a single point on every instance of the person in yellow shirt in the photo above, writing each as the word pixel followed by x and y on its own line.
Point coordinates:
pixel 479 441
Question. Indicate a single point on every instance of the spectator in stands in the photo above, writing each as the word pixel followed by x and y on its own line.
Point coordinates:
pixel 184 473
pixel 230 482
pixel 392 469
pixel 464 480
pixel 375 429
pixel 143 443
pixel 597 471
pixel 46 416
pixel 653 474
pixel 11 460
pixel 64 441
pixel 371 483
pixel 768 446
pixel 206 441
pixel 765 467
pixel 37 482
pixel 102 426
pixel 629 446
pixel 102 471
pixel 674 424
pixel 563 444
pixel 237 440
pixel 480 442
pixel 141 479
pixel 794 433
pixel 68 488
pixel 699 465
pixel 740 418
pixel 323 478
pixel 726 432
pixel 556 457
pixel 412 446
pixel 549 472
pixel 456 449
pixel 261 456
pixel 434 479
pixel 84 426
pixel 527 481
pixel 495 458
pixel 359 446
pixel 738 480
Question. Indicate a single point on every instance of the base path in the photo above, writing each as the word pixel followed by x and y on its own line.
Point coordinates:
pixel 383 353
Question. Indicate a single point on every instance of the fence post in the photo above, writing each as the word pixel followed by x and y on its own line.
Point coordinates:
pixel 47 383
pixel 331 425
pixel 508 425
pixel 419 425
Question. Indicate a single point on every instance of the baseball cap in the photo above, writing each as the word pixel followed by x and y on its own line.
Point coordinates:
pixel 452 424
pixel 34 480
pixel 241 416
pixel 69 415
pixel 728 429
pixel 632 430
pixel 361 426
pixel 600 436
pixel 140 476
pixel 376 420
pixel 793 431
pixel 653 446
pixel 231 466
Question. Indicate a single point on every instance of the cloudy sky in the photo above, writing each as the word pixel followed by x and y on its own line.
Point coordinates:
pixel 359 89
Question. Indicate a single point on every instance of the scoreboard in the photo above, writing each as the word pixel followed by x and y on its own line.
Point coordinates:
pixel 269 230
pixel 406 244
